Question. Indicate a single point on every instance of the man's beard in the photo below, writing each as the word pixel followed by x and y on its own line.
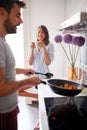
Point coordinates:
pixel 9 27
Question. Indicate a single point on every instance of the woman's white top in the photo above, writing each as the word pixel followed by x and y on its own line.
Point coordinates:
pixel 39 64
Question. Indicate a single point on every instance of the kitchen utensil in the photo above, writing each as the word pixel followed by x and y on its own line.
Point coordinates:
pixel 48 75
pixel 55 84
pixel 43 82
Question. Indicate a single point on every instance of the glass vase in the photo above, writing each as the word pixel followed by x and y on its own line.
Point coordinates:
pixel 73 73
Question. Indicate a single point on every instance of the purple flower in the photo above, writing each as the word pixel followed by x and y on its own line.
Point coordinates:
pixel 79 41
pixel 72 51
pixel 67 38
pixel 58 39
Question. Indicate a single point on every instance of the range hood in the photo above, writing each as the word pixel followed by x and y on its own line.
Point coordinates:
pixel 77 22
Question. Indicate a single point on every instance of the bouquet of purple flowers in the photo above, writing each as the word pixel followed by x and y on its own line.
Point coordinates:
pixel 74 43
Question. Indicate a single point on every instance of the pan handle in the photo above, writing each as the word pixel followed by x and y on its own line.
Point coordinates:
pixel 43 82
pixel 84 85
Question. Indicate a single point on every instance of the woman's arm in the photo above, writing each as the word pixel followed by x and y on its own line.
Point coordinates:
pixel 31 57
pixel 46 56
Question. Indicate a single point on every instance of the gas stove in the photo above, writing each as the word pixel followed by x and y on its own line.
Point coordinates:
pixel 63 109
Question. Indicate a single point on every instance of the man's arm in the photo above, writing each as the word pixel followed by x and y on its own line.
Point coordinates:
pixel 24 71
pixel 8 87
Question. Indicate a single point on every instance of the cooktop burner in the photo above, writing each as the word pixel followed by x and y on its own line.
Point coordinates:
pixel 66 109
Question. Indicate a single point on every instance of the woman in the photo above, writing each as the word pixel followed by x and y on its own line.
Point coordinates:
pixel 42 51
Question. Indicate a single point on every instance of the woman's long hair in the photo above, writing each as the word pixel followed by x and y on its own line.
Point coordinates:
pixel 45 30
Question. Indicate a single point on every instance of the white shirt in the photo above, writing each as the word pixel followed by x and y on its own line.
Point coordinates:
pixel 39 64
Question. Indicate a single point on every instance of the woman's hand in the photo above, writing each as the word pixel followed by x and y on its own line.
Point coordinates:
pixel 40 44
pixel 33 45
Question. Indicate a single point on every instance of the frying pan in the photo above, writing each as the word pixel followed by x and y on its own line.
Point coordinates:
pixel 54 84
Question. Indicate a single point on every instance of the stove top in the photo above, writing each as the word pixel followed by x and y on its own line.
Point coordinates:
pixel 72 109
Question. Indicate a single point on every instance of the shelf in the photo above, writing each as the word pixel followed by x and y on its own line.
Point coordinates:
pixel 77 23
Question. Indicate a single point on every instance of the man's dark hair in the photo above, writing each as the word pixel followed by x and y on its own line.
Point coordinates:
pixel 8 4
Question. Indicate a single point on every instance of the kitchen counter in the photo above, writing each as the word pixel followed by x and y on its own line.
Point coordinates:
pixel 44 91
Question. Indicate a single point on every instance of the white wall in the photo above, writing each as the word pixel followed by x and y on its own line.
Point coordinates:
pixel 72 7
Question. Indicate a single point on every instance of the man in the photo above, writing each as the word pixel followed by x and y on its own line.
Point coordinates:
pixel 10 17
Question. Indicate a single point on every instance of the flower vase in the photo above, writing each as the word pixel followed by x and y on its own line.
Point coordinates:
pixel 72 73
